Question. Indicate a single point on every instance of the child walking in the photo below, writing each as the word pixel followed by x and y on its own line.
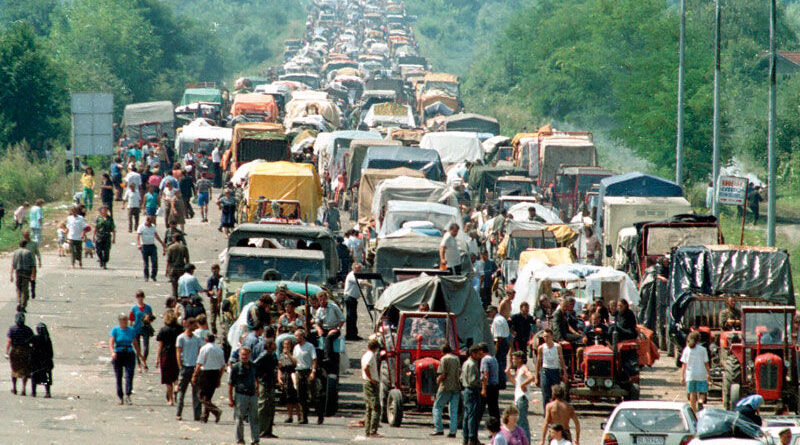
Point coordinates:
pixel 694 369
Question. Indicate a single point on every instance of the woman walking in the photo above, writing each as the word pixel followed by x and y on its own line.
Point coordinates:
pixel 178 210
pixel 694 369
pixel 166 359
pixel 107 193
pixel 18 350
pixel 105 234
pixel 42 360
pixel 227 203
pixel 286 368
pixel 123 358
pixel 87 181
pixel 522 378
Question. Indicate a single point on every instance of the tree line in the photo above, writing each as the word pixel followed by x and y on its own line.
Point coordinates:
pixel 139 50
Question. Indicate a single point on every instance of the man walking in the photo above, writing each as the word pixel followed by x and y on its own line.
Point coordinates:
pixel 208 375
pixel 214 292
pixel 23 268
pixel 187 349
pixel 352 294
pixel 306 357
pixel 75 235
pixel 266 368
pixel 243 383
pixel 369 374
pixel 449 254
pixel 559 412
pixel 146 238
pixel 449 392
pixel 133 201
pixel 471 382
pixel 188 285
pixel 521 327
pixel 550 366
pixel 177 259
pixel 490 382
pixel 500 333
pixel 35 221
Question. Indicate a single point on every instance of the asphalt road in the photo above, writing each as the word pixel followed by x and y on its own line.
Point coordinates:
pixel 80 308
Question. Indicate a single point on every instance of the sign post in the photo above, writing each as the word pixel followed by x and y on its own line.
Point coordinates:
pixel 732 190
pixel 92 125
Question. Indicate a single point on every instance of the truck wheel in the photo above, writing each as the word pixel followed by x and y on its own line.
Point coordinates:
pixel 331 394
pixel 634 393
pixel 394 411
pixel 735 395
pixel 731 375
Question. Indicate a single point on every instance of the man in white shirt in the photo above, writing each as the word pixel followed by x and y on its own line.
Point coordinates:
pixel 369 374
pixel 208 375
pixel 133 178
pixel 448 250
pixel 500 334
pixel 146 237
pixel 76 226
pixel 354 243
pixel 306 357
pixel 352 294
pixel 187 349
pixel 132 199
pixel 216 159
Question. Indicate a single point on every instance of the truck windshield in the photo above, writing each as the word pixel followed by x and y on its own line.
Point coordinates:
pixel 565 184
pixel 434 332
pixel 245 268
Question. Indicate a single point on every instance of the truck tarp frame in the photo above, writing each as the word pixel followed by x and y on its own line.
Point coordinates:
pixel 759 272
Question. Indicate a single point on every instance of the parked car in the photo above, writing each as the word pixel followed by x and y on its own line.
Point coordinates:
pixel 650 423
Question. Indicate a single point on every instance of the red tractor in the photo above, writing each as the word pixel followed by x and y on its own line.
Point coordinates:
pixel 410 358
pixel 605 371
pixel 764 357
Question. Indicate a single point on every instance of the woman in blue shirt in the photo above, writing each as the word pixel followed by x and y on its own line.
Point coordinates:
pixel 123 355
pixel 141 316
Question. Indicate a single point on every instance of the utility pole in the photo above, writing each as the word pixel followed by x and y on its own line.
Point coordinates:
pixel 715 143
pixel 771 167
pixel 679 143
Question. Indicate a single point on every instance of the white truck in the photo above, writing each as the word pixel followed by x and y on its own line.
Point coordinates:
pixel 621 212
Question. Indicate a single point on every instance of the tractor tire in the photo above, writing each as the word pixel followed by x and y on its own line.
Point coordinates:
pixel 394 409
pixel 735 395
pixel 634 393
pixel 731 374
pixel 331 394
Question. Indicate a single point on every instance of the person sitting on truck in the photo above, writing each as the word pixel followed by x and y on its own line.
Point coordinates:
pixel 594 334
pixel 625 322
pixel 562 331
pixel 730 318
pixel 533 217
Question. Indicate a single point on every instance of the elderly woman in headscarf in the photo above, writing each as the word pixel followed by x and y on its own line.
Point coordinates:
pixel 42 360
pixel 18 349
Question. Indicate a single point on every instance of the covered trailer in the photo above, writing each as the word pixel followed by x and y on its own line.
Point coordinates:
pixel 149 120
pixel 561 149
pixel 285 181
pixel 620 212
pixel 387 157
pixel 356 154
pixel 454 146
pixel 370 178
pixel 472 122
pixel 201 135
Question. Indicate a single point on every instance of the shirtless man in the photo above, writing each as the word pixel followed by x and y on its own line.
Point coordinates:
pixel 504 308
pixel 560 412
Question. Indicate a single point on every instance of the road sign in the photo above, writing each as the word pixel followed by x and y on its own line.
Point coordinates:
pixel 732 190
pixel 92 123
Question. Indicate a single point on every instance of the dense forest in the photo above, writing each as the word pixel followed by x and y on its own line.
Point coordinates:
pixel 140 50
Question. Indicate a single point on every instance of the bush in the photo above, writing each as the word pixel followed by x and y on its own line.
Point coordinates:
pixel 25 177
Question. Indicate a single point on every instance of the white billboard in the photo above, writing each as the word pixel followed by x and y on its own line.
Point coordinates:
pixel 92 123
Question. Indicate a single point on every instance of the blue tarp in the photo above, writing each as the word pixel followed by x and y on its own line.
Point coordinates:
pixel 388 157
pixel 638 184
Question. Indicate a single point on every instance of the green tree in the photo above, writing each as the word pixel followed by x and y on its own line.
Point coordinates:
pixel 33 97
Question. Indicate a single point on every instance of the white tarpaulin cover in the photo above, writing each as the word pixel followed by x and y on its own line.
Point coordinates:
pixel 389 115
pixel 405 188
pixel 400 212
pixel 589 278
pixel 454 146
pixel 490 144
pixel 520 212
pixel 243 171
pixel 201 129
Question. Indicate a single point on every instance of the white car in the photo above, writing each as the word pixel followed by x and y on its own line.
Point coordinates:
pixel 650 423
